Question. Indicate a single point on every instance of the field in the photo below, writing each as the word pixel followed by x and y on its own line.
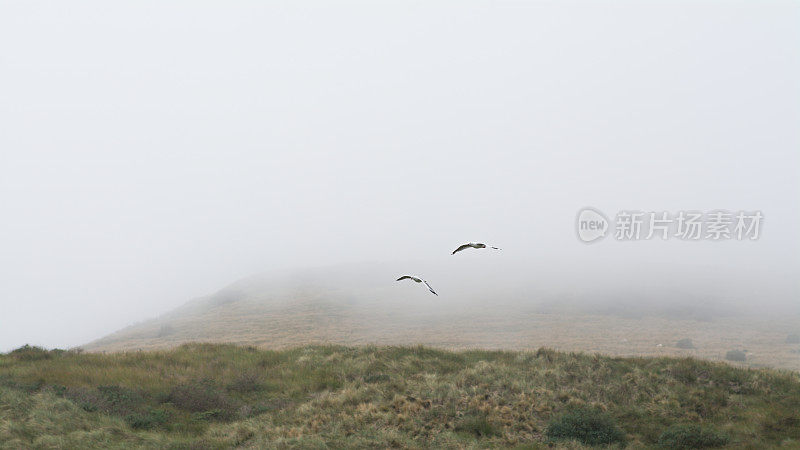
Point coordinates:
pixel 471 327
pixel 220 396
pixel 355 306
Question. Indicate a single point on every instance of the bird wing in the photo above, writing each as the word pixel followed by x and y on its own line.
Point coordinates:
pixel 409 277
pixel 462 247
pixel 430 288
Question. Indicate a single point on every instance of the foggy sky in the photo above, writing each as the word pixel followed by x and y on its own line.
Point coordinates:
pixel 153 152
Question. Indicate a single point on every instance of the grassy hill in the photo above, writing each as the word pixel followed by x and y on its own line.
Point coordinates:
pixel 362 305
pixel 221 396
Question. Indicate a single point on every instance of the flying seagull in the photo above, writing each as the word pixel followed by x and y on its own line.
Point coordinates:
pixel 418 280
pixel 473 245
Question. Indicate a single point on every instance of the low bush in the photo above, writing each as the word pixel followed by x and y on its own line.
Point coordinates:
pixel 116 400
pixel 203 397
pixel 793 339
pixel 685 344
pixel 87 399
pixel 28 386
pixel 589 426
pixel 31 353
pixel 736 355
pixel 691 436
pixel 246 382
pixel 120 400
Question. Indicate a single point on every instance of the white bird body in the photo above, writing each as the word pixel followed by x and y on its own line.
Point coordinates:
pixel 418 280
pixel 472 245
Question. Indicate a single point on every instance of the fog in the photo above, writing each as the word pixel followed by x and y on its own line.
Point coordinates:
pixel 154 152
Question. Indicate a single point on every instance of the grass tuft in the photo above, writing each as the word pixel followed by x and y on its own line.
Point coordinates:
pixel 590 426
pixel 691 436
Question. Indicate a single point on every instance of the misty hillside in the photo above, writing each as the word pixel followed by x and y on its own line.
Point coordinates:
pixel 362 304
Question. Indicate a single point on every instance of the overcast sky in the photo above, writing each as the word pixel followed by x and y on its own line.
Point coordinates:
pixel 152 152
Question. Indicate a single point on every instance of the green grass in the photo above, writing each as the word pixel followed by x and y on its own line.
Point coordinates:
pixel 590 426
pixel 691 436
pixel 222 396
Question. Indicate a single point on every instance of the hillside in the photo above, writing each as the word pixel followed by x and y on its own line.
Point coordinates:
pixel 361 304
pixel 205 396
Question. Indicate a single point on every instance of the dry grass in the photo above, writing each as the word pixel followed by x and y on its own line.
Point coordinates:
pixel 475 327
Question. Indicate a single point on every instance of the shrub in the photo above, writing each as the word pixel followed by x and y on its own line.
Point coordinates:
pixel 736 355
pixel 691 436
pixel 685 343
pixel 587 425
pixel 113 399
pixel 88 399
pixel 30 353
pixel 246 382
pixel 202 397
pixel 28 386
pixel 120 400
pixel 793 339
pixel 546 353
pixel 477 424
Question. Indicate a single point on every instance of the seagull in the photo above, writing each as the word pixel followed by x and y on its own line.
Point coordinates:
pixel 418 280
pixel 473 245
